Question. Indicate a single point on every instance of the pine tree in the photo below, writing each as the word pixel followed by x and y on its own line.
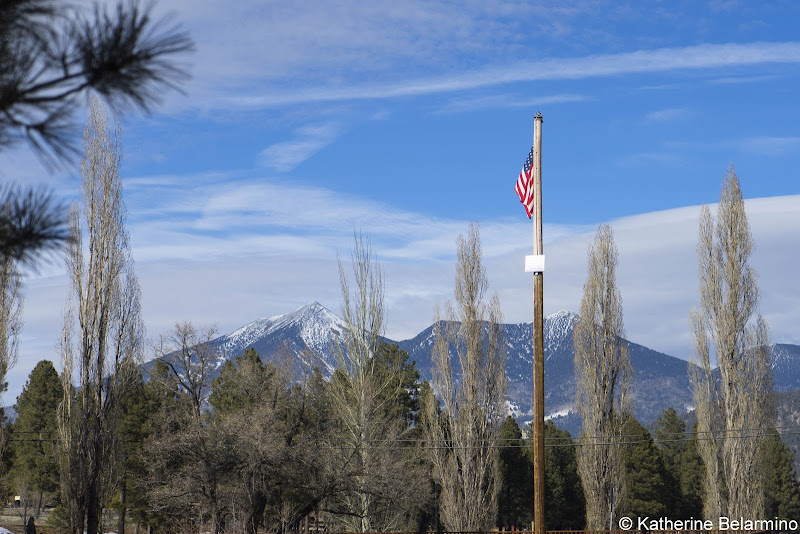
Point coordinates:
pixel 52 53
pixel 649 490
pixel 565 504
pixel 670 437
pixel 683 464
pixel 391 361
pixel 139 406
pixel 691 478
pixel 239 383
pixel 782 491
pixel 516 471
pixel 35 471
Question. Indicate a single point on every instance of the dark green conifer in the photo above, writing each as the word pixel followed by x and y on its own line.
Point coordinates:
pixel 683 464
pixel 34 469
pixel 565 504
pixel 782 492
pixel 515 502
pixel 649 489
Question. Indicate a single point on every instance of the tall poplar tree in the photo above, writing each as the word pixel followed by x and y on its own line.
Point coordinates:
pixel 733 409
pixel 367 394
pixel 103 332
pixel 465 462
pixel 603 371
pixel 10 323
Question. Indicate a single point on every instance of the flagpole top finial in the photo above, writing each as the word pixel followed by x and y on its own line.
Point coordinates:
pixel 538 115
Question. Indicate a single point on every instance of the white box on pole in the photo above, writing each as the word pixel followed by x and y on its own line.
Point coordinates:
pixel 534 264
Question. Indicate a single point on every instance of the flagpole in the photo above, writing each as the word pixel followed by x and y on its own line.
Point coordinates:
pixel 538 334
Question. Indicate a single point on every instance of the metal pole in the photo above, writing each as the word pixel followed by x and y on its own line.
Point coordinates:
pixel 538 337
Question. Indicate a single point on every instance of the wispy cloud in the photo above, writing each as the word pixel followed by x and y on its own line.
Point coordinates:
pixel 737 80
pixel 763 145
pixel 196 264
pixel 508 101
pixel 286 155
pixel 770 145
pixel 699 57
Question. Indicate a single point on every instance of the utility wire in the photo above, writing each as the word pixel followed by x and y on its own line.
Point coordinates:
pixel 507 443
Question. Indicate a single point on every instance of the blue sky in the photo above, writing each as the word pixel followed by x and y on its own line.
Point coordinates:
pixel 306 119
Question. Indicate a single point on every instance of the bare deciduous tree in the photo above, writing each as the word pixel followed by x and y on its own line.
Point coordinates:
pixel 190 357
pixel 10 324
pixel 10 316
pixel 603 372
pixel 187 455
pixel 104 347
pixel 465 463
pixel 734 406
pixel 375 492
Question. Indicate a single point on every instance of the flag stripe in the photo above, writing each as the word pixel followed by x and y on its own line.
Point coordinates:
pixel 524 187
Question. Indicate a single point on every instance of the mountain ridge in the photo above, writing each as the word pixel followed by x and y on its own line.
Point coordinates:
pixel 309 337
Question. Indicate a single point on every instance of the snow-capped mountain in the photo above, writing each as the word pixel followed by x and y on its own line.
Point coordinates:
pixel 309 336
pixel 660 380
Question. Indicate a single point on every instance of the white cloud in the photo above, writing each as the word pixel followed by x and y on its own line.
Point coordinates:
pixel 770 145
pixel 308 140
pixel 508 101
pixel 284 260
pixel 704 56
pixel 737 80
pixel 764 145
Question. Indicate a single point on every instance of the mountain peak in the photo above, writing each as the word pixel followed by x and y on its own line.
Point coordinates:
pixel 311 312
pixel 559 325
pixel 307 310
pixel 562 316
pixel 313 325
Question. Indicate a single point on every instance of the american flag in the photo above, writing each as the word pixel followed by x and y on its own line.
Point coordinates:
pixel 524 186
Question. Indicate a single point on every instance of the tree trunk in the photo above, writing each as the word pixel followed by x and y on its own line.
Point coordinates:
pixel 258 503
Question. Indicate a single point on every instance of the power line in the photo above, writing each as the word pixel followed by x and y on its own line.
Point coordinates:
pixel 511 443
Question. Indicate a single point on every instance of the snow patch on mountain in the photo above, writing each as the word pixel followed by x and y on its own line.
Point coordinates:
pixel 314 322
pixel 560 413
pixel 559 325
